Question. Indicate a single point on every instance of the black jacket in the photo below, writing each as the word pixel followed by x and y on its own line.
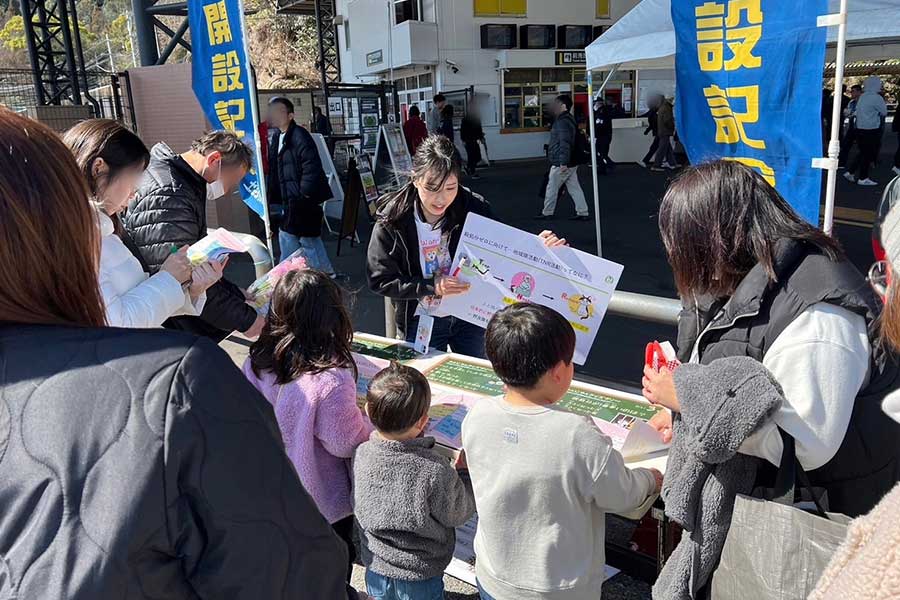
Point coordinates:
pixel 297 180
pixel 393 268
pixel 603 126
pixel 652 121
pixel 169 210
pixel 867 464
pixel 139 464
pixel 470 130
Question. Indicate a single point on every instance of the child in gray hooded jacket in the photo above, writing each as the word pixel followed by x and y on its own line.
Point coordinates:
pixel 408 498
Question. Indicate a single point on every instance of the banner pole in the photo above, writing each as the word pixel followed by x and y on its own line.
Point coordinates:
pixel 837 118
pixel 257 145
pixel 593 150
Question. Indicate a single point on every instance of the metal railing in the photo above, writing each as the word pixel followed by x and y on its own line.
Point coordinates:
pixel 262 262
pixel 642 307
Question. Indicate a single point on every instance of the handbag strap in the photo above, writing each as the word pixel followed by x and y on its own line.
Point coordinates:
pixel 789 471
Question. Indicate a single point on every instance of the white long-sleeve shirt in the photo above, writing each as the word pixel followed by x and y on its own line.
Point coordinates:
pixel 133 299
pixel 821 361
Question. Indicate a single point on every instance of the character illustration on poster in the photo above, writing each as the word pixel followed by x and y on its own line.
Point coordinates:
pixel 522 285
pixel 582 306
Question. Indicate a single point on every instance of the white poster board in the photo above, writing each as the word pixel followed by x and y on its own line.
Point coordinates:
pixel 505 265
pixel 335 206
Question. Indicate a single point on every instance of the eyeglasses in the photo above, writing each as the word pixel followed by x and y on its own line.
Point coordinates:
pixel 880 278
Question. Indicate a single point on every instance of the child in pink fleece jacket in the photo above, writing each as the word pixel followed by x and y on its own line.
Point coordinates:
pixel 302 364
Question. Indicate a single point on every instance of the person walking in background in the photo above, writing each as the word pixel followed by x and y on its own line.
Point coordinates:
pixel 471 133
pixel 303 366
pixel 563 171
pixel 297 181
pixel 652 127
pixel 665 130
pixel 414 130
pixel 169 211
pixel 446 129
pixel 435 115
pixel 321 124
pixel 603 129
pixel 870 113
pixel 849 137
pixel 112 160
pixel 136 463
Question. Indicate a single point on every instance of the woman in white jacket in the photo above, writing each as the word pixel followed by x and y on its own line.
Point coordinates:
pixel 113 159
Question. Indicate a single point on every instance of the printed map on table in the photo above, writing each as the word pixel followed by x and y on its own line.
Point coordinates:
pixel 623 420
pixel 367 367
pixel 445 417
pixel 384 349
pixel 505 265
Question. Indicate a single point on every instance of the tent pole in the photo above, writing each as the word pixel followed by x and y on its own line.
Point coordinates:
pixel 590 83
pixel 837 118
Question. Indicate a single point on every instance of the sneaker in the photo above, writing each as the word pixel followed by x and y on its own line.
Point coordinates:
pixel 643 164
pixel 666 165
pixel 850 177
pixel 656 169
pixel 866 181
pixel 580 218
pixel 475 176
pixel 896 170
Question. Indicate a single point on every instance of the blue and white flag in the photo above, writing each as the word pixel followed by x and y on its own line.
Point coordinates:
pixel 749 88
pixel 221 79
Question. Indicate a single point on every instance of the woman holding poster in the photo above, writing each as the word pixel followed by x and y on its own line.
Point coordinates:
pixel 756 280
pixel 415 238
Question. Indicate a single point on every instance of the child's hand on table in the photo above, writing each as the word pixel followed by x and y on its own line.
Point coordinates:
pixel 461 464
pixel 662 422
pixel 659 480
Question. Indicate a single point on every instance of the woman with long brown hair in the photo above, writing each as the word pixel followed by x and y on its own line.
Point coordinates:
pixel 112 160
pixel 133 464
pixel 756 280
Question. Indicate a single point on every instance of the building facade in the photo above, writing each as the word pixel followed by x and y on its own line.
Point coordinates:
pixel 509 57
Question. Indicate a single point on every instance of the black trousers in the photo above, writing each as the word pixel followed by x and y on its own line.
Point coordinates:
pixel 897 153
pixel 652 151
pixel 847 145
pixel 344 530
pixel 868 140
pixel 603 159
pixel 473 156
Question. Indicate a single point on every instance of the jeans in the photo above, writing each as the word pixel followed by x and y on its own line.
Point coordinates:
pixel 652 151
pixel 483 594
pixel 386 588
pixel 461 336
pixel 313 250
pixel 557 180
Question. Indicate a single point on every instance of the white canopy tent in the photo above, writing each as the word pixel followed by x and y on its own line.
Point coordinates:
pixel 645 39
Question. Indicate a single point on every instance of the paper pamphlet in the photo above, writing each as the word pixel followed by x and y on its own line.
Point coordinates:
pixel 462 566
pixel 215 246
pixel 445 417
pixel 262 289
pixel 367 367
pixel 505 265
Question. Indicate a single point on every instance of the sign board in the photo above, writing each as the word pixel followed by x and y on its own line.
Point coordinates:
pixel 334 206
pixel 374 58
pixel 335 106
pixel 570 57
pixel 369 123
pixel 505 265
pixel 391 147
pixel 369 187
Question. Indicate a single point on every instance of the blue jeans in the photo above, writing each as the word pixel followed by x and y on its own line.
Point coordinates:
pixel 483 594
pixel 313 250
pixel 461 336
pixel 386 588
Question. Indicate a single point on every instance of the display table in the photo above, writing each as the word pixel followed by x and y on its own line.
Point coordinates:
pixel 455 375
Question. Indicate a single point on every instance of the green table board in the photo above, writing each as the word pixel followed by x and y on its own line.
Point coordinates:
pixel 482 380
pixel 385 350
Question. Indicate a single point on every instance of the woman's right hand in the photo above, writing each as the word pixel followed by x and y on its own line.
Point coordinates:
pixel 178 266
pixel 450 286
pixel 662 422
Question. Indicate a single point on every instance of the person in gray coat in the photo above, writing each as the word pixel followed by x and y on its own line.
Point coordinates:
pixel 408 498
pixel 721 405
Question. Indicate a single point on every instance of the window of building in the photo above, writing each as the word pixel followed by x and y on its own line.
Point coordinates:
pixel 406 10
pixel 501 8
pixel 603 9
pixel 528 94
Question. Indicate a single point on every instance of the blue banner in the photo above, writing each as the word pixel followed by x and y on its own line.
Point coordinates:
pixel 221 79
pixel 749 88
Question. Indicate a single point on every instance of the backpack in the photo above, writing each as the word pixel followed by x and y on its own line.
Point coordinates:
pixel 581 154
